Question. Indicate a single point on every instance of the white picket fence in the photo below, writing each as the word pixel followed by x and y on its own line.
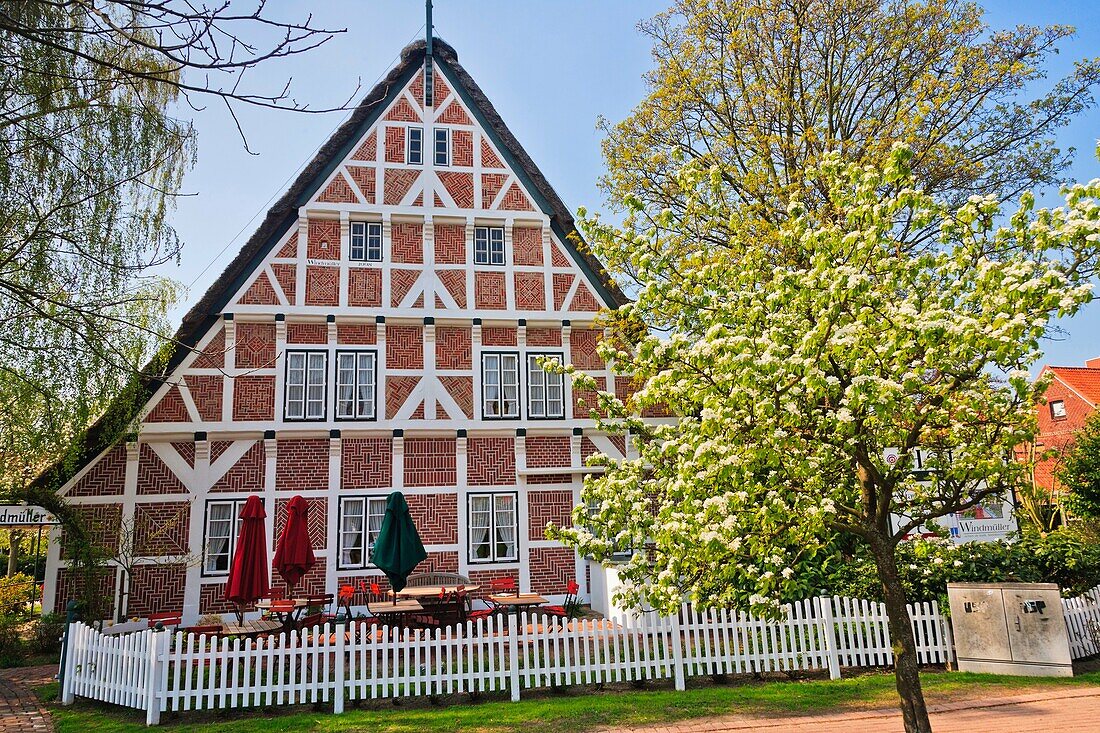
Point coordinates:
pixel 1083 623
pixel 160 671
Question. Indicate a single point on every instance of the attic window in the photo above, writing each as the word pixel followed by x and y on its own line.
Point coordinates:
pixel 442 146
pixel 414 154
pixel 1058 410
pixel 366 241
pixel 489 245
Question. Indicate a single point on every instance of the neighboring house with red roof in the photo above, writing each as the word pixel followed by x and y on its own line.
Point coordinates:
pixel 1073 395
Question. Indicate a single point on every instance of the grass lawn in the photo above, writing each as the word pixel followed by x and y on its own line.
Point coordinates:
pixel 577 709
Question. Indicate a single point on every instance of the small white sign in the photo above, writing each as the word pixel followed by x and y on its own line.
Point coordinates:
pixel 21 515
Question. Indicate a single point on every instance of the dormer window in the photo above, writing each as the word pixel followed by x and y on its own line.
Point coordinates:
pixel 1058 410
pixel 488 245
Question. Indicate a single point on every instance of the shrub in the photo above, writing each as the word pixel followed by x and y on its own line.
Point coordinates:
pixel 16 592
pixel 44 636
pixel 11 643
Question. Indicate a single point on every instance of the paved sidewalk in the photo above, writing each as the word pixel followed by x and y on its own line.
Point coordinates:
pixel 1075 710
pixel 20 710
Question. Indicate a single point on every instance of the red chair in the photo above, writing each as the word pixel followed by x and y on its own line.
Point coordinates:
pixel 566 609
pixel 502 586
pixel 165 619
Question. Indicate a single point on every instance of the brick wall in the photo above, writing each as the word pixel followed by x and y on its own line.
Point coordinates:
pixel 489 290
pixel 460 187
pixel 287 275
pixel 543 337
pixel 490 187
pixel 398 390
pixel 153 476
pixel 101 524
pixel 324 239
pixel 364 177
pixel 407 243
pixel 450 244
pixel 453 348
pixel 401 282
pixel 306 333
pixel 491 461
pixel 547 451
pixel 261 292
pixel 562 281
pixel 213 354
pixel 489 159
pixel 551 569
pixel 586 400
pixel 315 520
pixel 462 143
pixel 405 347
pixel 106 477
pixel 301 465
pixel 255 345
pixel 356 334
pixel 170 408
pixel 530 294
pixel 71 587
pixel 364 287
pixel 212 600
pixel 435 517
pixel 430 462
pixel 461 390
pixel 206 391
pixel 582 344
pixel 455 283
pixel 366 463
pixel 498 336
pixel 312 583
pixel 584 300
pixel 545 506
pixel 527 245
pixel 254 397
pixel 322 286
pixel 161 529
pixel 247 474
pixel 397 182
pixel 156 589
pixel 395 144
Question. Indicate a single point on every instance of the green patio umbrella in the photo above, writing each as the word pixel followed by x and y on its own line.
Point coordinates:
pixel 398 548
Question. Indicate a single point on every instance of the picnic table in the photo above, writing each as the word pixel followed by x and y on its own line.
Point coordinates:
pixel 518 602
pixel 252 628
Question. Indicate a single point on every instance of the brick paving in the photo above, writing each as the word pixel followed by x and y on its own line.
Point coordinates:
pixel 1074 710
pixel 20 709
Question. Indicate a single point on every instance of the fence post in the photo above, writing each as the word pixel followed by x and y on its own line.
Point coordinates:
pixel 827 631
pixel 947 635
pixel 341 650
pixel 513 654
pixel 156 665
pixel 677 642
pixel 64 674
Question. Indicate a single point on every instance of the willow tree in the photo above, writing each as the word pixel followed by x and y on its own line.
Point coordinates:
pixel 92 153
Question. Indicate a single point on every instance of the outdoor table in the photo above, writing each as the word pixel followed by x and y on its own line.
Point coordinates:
pixel 252 628
pixel 286 618
pixel 518 602
pixel 390 612
pixel 432 591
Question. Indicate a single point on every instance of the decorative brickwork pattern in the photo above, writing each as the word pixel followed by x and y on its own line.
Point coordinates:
pixel 418 413
pixel 545 507
pixel 440 90
pixel 419 200
pixel 460 187
pixel 287 275
pixel 439 562
pixel 403 112
pixel 212 355
pixel 217 447
pixel 312 583
pixel 491 184
pixel 438 201
pixel 398 390
pixel 582 344
pixel 408 243
pixel 255 345
pixel 254 397
pixel 246 475
pixel 161 529
pixel 364 287
pixel 356 333
pixel 489 159
pixel 530 292
pixel 586 400
pixel 366 463
pixel 324 239
pixel 395 145
pixel 450 244
pixel 618 447
pixel 156 589
pixel 551 569
pixel 430 462
pixel 498 336
pixel 455 282
pixel 307 333
pixel 547 451
pixel 405 347
pixel 206 391
pixel 290 249
pixel 261 292
pixel 322 286
pixel 489 290
pixel 401 282
pixel 455 115
pixel 416 88
pixel 461 390
pixel 101 523
pixel 153 476
pixel 435 517
pixel 516 200
pixel 527 246
pixel 317 521
pixel 301 465
pixel 462 147
pixel 212 600
pixel 562 282
pixel 397 182
pixel 71 587
pixel 369 149
pixel 171 408
pixel 543 337
pixel 453 347
pixel 186 451
pixel 339 191
pixel 364 177
pixel 584 300
pixel 106 477
pixel 558 257
pixel 491 461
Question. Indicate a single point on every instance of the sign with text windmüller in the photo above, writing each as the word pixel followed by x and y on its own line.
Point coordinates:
pixel 21 515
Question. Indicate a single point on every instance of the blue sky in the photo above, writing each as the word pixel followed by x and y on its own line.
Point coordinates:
pixel 550 68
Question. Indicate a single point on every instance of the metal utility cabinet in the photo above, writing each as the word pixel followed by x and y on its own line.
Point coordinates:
pixel 1010 628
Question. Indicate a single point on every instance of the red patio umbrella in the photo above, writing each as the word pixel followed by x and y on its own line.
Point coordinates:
pixel 248 579
pixel 294 553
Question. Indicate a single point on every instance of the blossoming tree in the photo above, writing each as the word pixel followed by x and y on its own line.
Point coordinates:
pixel 791 378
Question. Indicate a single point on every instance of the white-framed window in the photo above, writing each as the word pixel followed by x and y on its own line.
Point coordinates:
pixel 305 385
pixel 366 241
pixel 545 390
pixel 1057 409
pixel 442 146
pixel 492 525
pixel 414 146
pixel 223 524
pixel 360 521
pixel 500 385
pixel 355 385
pixel 488 245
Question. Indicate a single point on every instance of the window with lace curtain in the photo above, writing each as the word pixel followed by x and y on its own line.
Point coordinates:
pixel 360 521
pixel 492 527
pixel 223 525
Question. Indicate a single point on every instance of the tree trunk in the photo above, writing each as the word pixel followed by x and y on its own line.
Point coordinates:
pixel 14 538
pixel 914 713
